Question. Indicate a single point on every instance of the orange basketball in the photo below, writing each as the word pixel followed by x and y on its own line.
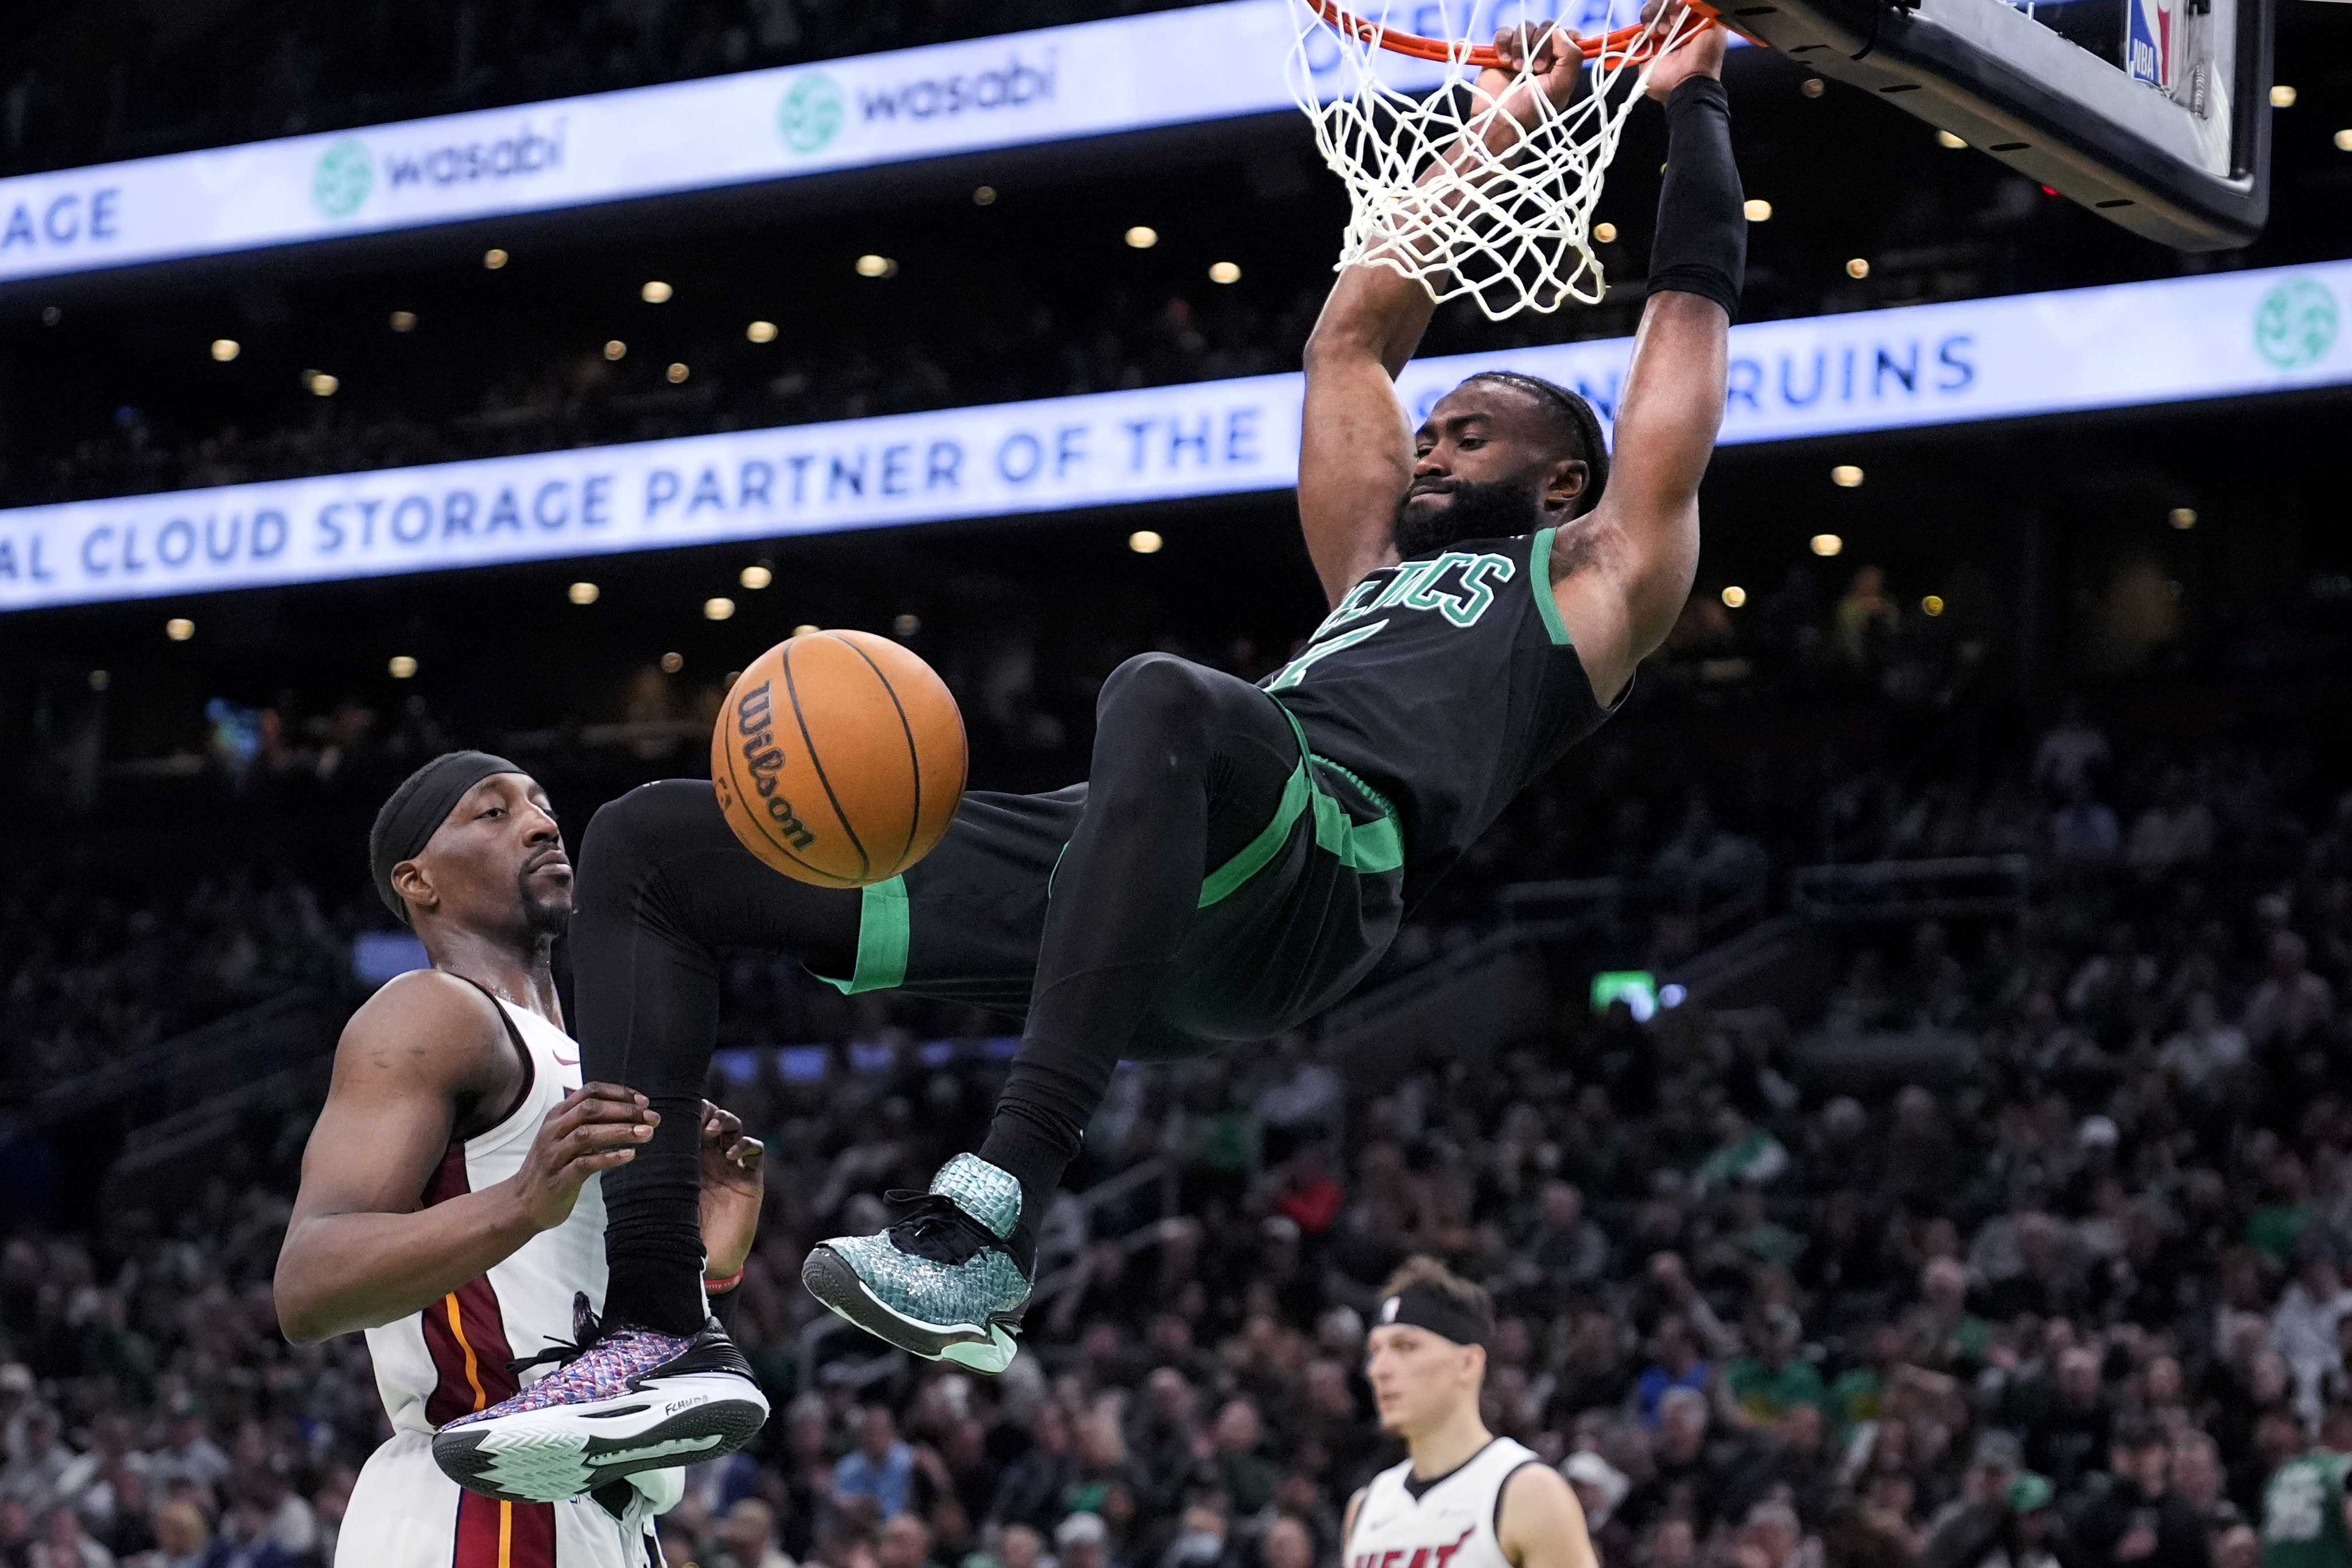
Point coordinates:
pixel 839 758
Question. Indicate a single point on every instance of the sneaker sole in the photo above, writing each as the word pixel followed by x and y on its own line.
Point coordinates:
pixel 567 1450
pixel 987 1348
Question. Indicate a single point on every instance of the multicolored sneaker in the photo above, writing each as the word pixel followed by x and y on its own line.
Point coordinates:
pixel 948 1282
pixel 622 1400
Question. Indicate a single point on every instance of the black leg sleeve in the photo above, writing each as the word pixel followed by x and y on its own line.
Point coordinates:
pixel 663 885
pixel 1188 764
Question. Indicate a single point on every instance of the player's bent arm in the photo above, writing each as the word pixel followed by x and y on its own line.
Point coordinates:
pixel 359 1251
pixel 1348 1524
pixel 1355 449
pixel 1622 572
pixel 1542 1524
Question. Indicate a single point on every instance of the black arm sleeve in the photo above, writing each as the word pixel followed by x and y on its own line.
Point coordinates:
pixel 1701 246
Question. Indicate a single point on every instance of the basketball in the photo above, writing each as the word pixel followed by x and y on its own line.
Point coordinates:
pixel 839 758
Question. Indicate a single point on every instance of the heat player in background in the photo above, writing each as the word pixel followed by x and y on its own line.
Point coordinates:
pixel 1463 1498
pixel 449 1203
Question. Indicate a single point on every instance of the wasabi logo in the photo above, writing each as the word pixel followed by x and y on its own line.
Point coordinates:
pixel 345 175
pixel 812 112
pixel 2295 323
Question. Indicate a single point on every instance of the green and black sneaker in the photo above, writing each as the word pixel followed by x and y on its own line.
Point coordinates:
pixel 949 1281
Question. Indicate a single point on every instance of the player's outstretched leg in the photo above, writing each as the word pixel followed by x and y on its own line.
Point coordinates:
pixel 1189 765
pixel 663 884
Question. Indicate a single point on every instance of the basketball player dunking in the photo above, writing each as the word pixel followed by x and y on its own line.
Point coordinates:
pixel 1463 1498
pixel 449 1203
pixel 1240 855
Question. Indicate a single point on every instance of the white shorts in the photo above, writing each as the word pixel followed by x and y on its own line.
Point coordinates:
pixel 404 1513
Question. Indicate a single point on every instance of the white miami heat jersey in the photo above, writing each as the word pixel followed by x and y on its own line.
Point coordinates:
pixel 451 1359
pixel 1448 1522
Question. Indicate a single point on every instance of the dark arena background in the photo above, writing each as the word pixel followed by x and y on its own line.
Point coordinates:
pixel 1916 1022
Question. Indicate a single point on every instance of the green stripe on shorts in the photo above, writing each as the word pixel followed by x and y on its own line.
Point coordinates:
pixel 882 934
pixel 1368 848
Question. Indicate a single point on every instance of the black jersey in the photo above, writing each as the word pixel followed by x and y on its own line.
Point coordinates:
pixel 1446 683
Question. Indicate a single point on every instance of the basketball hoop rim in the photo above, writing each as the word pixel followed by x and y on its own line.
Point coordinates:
pixel 1618 42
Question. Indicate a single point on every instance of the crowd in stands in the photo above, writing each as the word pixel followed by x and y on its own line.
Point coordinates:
pixel 95 969
pixel 288 69
pixel 2071 1296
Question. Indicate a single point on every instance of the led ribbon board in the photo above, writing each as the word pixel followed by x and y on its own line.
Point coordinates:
pixel 1093 79
pixel 2224 335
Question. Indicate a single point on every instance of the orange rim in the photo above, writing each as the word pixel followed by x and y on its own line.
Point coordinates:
pixel 1618 44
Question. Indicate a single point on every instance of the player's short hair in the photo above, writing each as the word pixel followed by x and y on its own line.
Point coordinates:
pixel 1423 1274
pixel 1573 417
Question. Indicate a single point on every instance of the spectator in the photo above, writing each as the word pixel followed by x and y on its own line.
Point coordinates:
pixel 747 1538
pixel 183 1539
pixel 1596 1370
pixel 1774 1376
pixel 1743 1154
pixel 882 1467
pixel 2205 1050
pixel 1696 1469
pixel 1974 1525
pixel 2306 1513
pixel 1566 1251
pixel 64 1543
pixel 188 1452
pixel 2139 1522
pixel 1243 1469
pixel 1286 1544
pixel 2201 1482
pixel 2304 1323
pixel 1201 1538
pixel 1083 1540
pixel 2072 752
pixel 2066 1438
pixel 2175 830
pixel 35 1474
pixel 2084 833
pixel 2290 1002
pixel 1035 1484
pixel 1772 1537
pixel 2033 1536
pixel 1678 1365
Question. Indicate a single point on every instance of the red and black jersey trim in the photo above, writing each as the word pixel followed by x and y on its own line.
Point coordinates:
pixel 463 1331
pixel 492 1533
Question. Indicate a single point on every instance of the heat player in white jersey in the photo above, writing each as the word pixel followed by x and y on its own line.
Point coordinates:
pixel 1464 1497
pixel 448 1203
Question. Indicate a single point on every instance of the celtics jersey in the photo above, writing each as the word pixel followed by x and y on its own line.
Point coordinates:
pixel 2302 1514
pixel 1448 684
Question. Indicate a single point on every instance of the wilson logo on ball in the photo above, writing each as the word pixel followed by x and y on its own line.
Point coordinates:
pixel 755 719
pixel 838 758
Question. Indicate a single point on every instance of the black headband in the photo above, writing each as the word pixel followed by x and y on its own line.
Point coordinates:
pixel 417 807
pixel 1422 1307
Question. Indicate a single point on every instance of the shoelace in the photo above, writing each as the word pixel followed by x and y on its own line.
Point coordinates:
pixel 934 1228
pixel 564 1353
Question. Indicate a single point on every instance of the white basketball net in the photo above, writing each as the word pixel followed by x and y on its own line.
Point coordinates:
pixel 1445 185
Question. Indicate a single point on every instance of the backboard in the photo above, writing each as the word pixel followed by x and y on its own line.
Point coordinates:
pixel 2155 113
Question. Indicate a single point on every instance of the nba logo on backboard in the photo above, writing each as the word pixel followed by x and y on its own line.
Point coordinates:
pixel 2149 43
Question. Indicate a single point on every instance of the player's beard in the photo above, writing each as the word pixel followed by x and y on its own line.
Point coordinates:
pixel 544 915
pixel 1490 509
